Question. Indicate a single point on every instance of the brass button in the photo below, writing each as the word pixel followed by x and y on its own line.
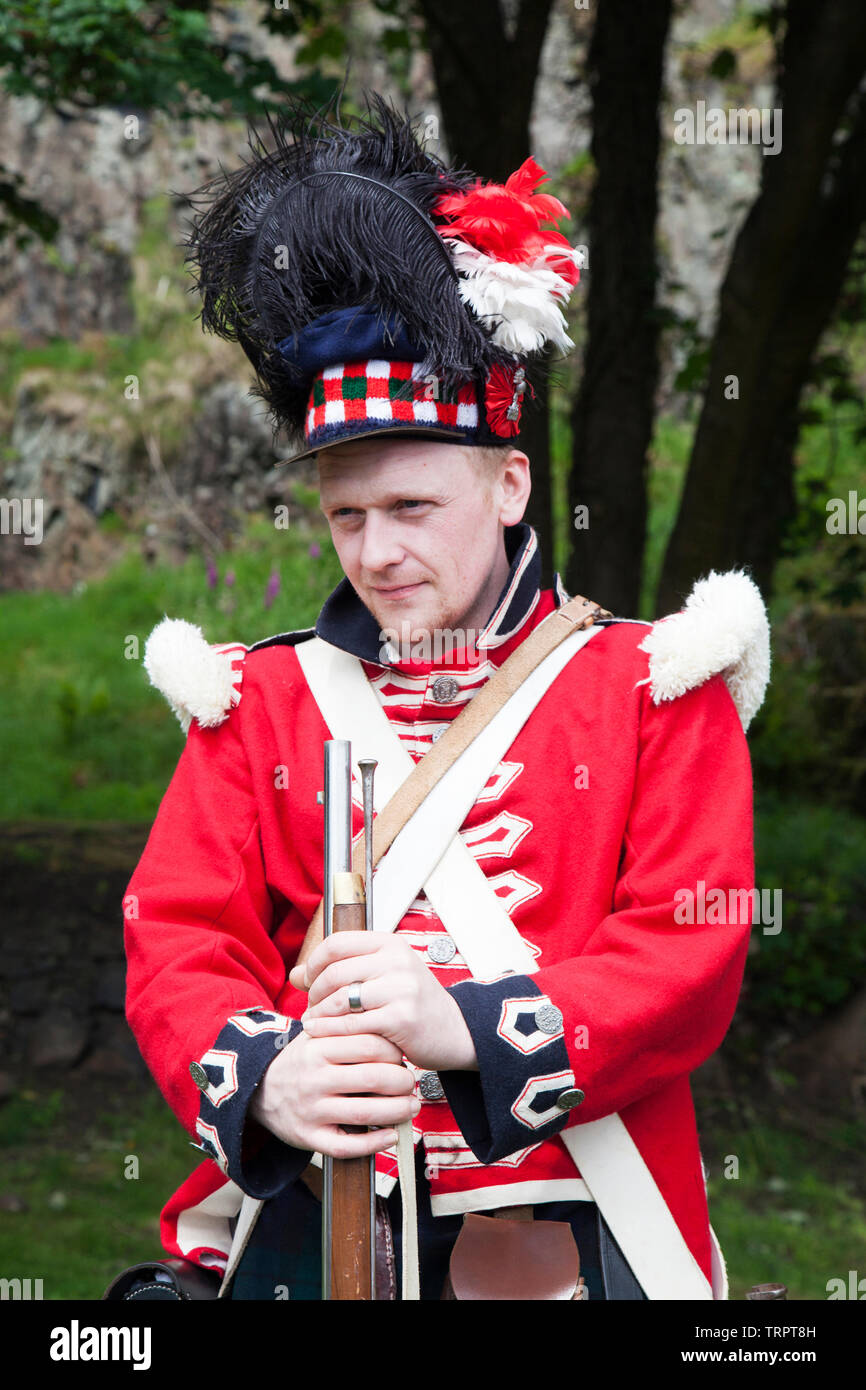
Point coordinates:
pixel 199 1075
pixel 567 1100
pixel 444 689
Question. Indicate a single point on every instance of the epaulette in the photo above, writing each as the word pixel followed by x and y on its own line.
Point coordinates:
pixel 723 629
pixel 199 679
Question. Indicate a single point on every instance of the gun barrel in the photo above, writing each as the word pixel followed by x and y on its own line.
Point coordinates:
pixel 368 767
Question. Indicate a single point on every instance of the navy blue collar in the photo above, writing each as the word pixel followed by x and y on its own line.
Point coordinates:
pixel 347 623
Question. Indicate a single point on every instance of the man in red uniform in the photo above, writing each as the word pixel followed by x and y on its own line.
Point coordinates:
pixel 560 1087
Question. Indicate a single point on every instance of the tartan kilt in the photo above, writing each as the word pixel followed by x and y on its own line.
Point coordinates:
pixel 283 1259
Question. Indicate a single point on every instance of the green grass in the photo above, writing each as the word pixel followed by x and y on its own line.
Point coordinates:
pixel 786 1219
pixel 84 1219
pixel 84 735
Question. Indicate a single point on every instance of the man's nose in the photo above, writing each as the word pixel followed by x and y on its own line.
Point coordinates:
pixel 380 545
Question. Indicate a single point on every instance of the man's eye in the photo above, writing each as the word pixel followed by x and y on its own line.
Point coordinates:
pixel 411 502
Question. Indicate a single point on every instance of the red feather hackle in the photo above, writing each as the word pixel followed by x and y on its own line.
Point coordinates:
pixel 505 220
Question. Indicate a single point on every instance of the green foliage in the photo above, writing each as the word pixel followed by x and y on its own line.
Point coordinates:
pixel 133 54
pixel 20 1118
pixel 692 347
pixel 327 41
pixel 669 456
pixel 138 56
pixel 22 219
pixel 814 854
pixel 724 64
pixel 789 748
pixel 745 28
pixel 815 565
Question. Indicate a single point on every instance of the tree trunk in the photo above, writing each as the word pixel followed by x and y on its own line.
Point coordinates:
pixel 485 81
pixel 785 276
pixel 612 418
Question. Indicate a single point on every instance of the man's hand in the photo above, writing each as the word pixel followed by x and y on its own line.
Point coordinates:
pixel 402 999
pixel 308 1093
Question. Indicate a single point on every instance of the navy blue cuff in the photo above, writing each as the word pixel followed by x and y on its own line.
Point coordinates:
pixel 524 1087
pixel 227 1076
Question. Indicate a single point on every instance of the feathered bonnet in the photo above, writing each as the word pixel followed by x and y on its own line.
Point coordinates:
pixel 375 289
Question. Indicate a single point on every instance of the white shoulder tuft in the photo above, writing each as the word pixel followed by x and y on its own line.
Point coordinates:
pixel 723 628
pixel 200 681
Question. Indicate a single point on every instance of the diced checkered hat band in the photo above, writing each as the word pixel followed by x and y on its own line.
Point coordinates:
pixel 351 399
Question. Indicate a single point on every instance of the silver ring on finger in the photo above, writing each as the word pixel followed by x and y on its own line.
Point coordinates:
pixel 355 1005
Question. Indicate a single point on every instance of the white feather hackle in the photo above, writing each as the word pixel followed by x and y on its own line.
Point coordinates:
pixel 520 302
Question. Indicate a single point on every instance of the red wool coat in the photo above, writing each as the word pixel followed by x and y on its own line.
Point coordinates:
pixel 609 805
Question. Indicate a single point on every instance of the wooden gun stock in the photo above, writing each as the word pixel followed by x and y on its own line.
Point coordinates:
pixel 352 1229
pixel 348 1188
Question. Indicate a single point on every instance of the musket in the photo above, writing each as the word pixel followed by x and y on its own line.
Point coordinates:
pixel 348 1184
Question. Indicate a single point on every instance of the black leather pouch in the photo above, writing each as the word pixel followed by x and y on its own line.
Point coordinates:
pixel 169 1280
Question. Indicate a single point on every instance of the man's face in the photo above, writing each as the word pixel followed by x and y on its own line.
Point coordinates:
pixel 417 526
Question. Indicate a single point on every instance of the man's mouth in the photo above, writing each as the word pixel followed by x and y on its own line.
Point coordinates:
pixel 399 591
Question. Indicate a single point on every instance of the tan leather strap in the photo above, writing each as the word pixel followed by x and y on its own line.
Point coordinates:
pixel 574 616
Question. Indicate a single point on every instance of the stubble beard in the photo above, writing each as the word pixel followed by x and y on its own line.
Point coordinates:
pixel 439 628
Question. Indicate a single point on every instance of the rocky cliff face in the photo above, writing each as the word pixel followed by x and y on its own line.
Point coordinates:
pixel 162 424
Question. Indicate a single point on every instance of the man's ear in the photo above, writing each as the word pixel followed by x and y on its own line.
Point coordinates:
pixel 515 485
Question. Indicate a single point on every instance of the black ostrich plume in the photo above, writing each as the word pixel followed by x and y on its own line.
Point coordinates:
pixel 285 238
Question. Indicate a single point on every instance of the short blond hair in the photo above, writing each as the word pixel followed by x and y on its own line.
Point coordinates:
pixel 492 456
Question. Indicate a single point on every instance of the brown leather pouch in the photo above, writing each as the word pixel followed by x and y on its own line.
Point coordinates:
pixel 500 1257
